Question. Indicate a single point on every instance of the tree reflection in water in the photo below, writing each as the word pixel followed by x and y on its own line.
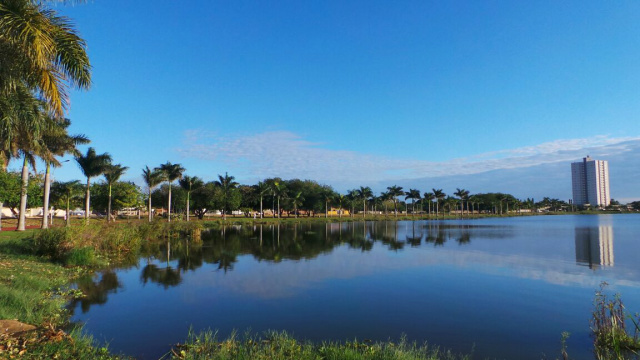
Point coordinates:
pixel 168 259
pixel 95 292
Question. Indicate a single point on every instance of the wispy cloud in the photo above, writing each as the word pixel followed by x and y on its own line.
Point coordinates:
pixel 288 155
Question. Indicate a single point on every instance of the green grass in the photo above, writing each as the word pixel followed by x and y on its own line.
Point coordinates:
pixel 282 346
pixel 31 290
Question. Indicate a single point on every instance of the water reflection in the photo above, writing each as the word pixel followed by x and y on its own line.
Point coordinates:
pixel 95 289
pixel 594 246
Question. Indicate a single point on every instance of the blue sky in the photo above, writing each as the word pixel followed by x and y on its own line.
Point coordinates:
pixel 371 93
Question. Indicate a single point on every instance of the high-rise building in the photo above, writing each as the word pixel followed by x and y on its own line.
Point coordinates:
pixel 590 182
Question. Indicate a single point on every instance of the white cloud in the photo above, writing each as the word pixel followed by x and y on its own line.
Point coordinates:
pixel 288 155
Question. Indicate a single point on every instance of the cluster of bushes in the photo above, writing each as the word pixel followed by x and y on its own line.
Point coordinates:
pixel 99 244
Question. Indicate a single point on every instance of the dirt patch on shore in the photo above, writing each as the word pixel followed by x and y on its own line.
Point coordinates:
pixel 12 327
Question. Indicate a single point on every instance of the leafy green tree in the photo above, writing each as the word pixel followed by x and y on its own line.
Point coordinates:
pixel 205 199
pixel 171 172
pixel 9 190
pixel 190 183
pixel 125 194
pixel 92 165
pixel 112 174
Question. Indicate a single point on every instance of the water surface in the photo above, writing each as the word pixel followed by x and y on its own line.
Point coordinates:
pixel 505 287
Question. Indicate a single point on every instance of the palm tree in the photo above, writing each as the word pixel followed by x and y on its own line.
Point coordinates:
pixel 327 195
pixel 341 199
pixel 364 193
pixel 463 195
pixel 25 140
pixel 262 189
pixel 189 183
pixel 279 191
pixel 384 197
pixel 152 178
pixel 56 142
pixel 92 165
pixel 226 183
pixel 428 198
pixel 40 52
pixel 170 172
pixel 112 174
pixel 439 195
pixel 67 191
pixel 296 201
pixel 394 192
pixel 412 194
pixel 351 197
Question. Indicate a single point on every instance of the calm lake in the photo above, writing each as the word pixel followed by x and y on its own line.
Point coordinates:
pixel 504 288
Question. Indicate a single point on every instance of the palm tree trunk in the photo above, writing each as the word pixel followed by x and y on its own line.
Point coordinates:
pixel 169 205
pixel 326 209
pixel 150 204
pixel 109 205
pixel 23 197
pixel 68 217
pixel 87 201
pixel 47 189
pixel 188 193
pixel 260 210
pixel 278 209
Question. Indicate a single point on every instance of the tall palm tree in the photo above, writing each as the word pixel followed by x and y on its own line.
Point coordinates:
pixel 385 196
pixel 152 178
pixel 327 196
pixel 190 183
pixel 428 198
pixel 413 194
pixel 341 199
pixel 279 191
pixel 364 193
pixel 112 174
pixel 439 195
pixel 56 142
pixel 92 165
pixel 297 201
pixel 26 142
pixel 41 51
pixel 171 172
pixel 463 195
pixel 67 191
pixel 395 191
pixel 262 189
pixel 352 197
pixel 226 184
